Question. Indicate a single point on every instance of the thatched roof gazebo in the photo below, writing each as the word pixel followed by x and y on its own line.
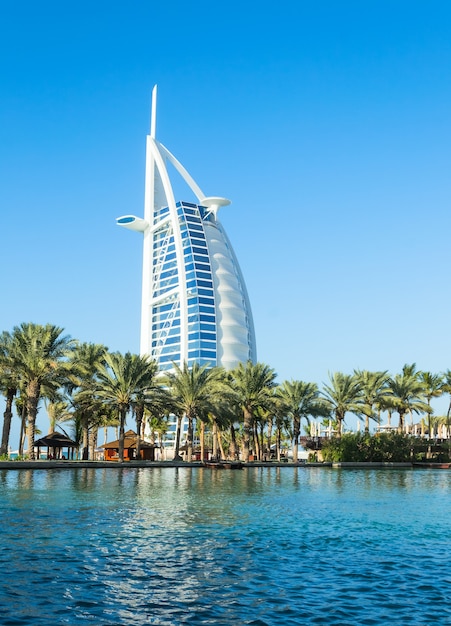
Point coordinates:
pixel 57 442
pixel 147 450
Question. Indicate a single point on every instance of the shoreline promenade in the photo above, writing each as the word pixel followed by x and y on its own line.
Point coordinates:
pixel 44 464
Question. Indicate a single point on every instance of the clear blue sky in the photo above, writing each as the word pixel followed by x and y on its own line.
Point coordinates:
pixel 328 125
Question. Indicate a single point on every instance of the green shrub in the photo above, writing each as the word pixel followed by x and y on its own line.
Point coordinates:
pixel 357 447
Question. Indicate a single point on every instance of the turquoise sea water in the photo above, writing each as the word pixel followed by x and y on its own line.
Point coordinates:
pixel 198 546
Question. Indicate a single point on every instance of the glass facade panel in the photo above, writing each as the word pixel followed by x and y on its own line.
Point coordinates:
pixel 201 317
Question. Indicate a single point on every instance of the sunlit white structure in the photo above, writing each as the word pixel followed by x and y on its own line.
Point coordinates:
pixel 195 306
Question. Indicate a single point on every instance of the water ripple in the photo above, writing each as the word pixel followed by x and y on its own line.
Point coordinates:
pixel 187 546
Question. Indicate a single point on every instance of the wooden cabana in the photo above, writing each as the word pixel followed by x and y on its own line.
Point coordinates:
pixel 147 450
pixel 55 443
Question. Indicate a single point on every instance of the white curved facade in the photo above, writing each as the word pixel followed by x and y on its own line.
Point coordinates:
pixel 195 307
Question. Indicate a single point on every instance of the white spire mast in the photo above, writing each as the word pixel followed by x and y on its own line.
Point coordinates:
pixel 153 116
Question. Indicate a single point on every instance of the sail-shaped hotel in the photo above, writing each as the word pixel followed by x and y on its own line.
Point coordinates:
pixel 195 306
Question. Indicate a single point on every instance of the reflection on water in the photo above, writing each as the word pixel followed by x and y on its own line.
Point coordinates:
pixel 196 546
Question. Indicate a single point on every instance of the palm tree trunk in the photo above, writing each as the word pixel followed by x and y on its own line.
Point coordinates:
pixel 401 421
pixel 189 439
pixel 278 442
pixel 85 436
pixel 177 439
pixel 160 431
pixel 429 416
pixel 339 416
pixel 246 434
pixel 139 414
pixel 233 446
pixel 296 433
pixel 7 417
pixel 202 440
pixel 215 440
pixel 23 419
pixel 31 429
pixel 122 416
pixel 411 421
pixel 256 444
pixel 92 442
pixel 269 436
pixel 161 444
pixel 32 399
pixel 221 449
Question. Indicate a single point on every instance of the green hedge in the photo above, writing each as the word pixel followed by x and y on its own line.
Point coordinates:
pixel 391 447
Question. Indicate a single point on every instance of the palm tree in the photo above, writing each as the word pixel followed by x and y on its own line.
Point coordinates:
pixel 21 409
pixel 153 399
pixel 9 383
pixel 447 389
pixel 222 417
pixel 86 359
pixel 158 426
pixel 57 411
pixel 281 423
pixel 107 418
pixel 192 392
pixel 269 429
pixel 262 418
pixel 433 387
pixel 219 415
pixel 373 390
pixel 407 392
pixel 40 360
pixel 121 380
pixel 341 396
pixel 299 400
pixel 409 369
pixel 253 385
pixel 222 422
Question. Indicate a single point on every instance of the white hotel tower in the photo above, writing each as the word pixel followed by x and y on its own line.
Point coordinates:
pixel 195 306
